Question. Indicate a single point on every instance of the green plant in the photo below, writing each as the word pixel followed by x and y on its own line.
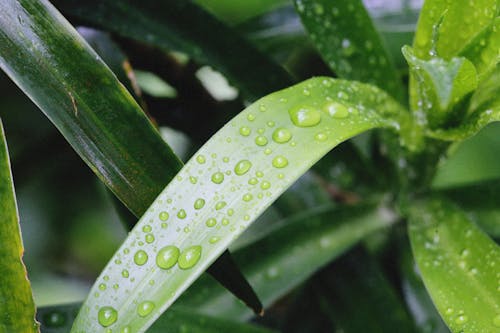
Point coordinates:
pixel 360 197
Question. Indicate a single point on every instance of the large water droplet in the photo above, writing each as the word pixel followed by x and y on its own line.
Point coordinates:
pixel 211 222
pixel 150 238
pixel 181 214
pixel 107 316
pixel 163 216
pixel 245 131
pixel 167 257
pixel 125 329
pixel 220 205
pixel 265 185
pixel 337 110
pixel 140 257
pixel 280 162
pixel 189 257
pixel 282 135
pixel 146 228
pixel 218 177
pixel 145 308
pixel 304 116
pixel 199 203
pixel 261 140
pixel 242 167
pixel 247 197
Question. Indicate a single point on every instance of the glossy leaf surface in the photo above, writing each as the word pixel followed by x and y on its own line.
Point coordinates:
pixel 222 189
pixel 347 40
pixel 459 266
pixel 17 308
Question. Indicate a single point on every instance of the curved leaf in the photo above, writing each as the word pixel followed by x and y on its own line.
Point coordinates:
pixel 445 28
pixel 17 308
pixel 68 81
pixel 220 192
pixel 348 42
pixel 169 25
pixel 459 266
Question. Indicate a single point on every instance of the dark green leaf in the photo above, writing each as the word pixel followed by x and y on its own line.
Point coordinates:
pixel 17 308
pixel 459 266
pixel 348 42
pixel 169 25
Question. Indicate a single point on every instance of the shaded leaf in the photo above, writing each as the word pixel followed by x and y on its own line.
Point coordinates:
pixel 345 37
pixel 459 266
pixel 17 308
pixel 220 192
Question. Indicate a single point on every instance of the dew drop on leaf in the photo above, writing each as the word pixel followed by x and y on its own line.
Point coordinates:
pixel 242 167
pixel 253 181
pixel 189 257
pixel 163 216
pixel 107 316
pixel 146 228
pixel 145 308
pixel 304 116
pixel 336 110
pixel 140 257
pixel 54 319
pixel 150 238
pixel 320 137
pixel 181 214
pixel 199 203
pixel 260 140
pixel 217 177
pixel 200 159
pixel 220 205
pixel 265 185
pixel 281 135
pixel 125 273
pixel 167 257
pixel 245 131
pixel 280 162
pixel 211 222
pixel 247 197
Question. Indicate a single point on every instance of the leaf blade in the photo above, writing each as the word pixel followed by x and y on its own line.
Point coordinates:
pixel 17 307
pixel 212 180
pixel 458 265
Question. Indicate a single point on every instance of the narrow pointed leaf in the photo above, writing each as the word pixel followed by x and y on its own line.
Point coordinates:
pixel 69 82
pixel 17 308
pixel 445 28
pixel 459 266
pixel 288 256
pixel 58 319
pixel 347 40
pixel 219 192
pixel 169 25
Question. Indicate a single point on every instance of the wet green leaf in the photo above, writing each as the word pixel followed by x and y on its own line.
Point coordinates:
pixel 169 25
pixel 346 38
pixel 445 28
pixel 459 266
pixel 443 87
pixel 17 308
pixel 222 189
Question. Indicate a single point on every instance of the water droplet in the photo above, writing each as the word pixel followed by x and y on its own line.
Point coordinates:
pixel 213 240
pixel 105 278
pixel 116 286
pixel 220 205
pixel 146 228
pixel 337 110
pixel 54 319
pixel 261 140
pixel 321 136
pixel 107 316
pixel 102 286
pixel 306 92
pixel 262 108
pixel 245 131
pixel 247 197
pixel 304 116
pixel 250 117
pixel 167 257
pixel 189 257
pixel 150 238
pixel 199 203
pixel 211 222
pixel 140 257
pixel 461 319
pixel 265 185
pixel 125 329
pixel 259 174
pixel 282 135
pixel 193 180
pixel 225 221
pixel 267 151
pixel 253 181
pixel 271 123
pixel 242 167
pixel 496 321
pixel 145 308
pixel 225 159
pixel 164 216
pixel 181 214
pixel 280 162
pixel 218 177
pixel 201 159
pixel 230 212
pixel 125 273
pixel 318 9
pixel 164 225
pixel 347 48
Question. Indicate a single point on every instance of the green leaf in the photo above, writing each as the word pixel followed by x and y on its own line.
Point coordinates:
pixel 445 28
pixel 348 42
pixel 288 256
pixel 220 192
pixel 17 308
pixel 58 319
pixel 169 25
pixel 459 266
pixel 442 87
pixel 85 101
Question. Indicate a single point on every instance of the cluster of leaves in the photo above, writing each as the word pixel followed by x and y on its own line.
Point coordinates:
pixel 411 257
